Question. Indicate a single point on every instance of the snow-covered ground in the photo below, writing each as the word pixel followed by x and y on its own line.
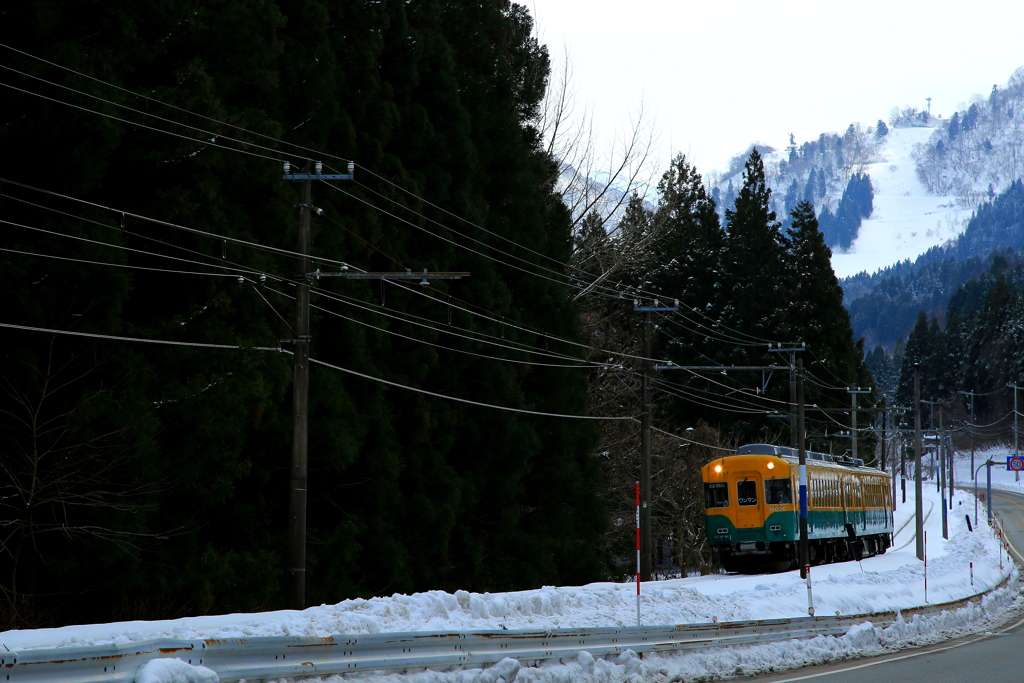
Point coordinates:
pixel 1002 478
pixel 893 581
pixel 907 220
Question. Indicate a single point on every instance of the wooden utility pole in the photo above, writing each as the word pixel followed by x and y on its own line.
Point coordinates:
pixel 646 546
pixel 300 403
pixel 297 498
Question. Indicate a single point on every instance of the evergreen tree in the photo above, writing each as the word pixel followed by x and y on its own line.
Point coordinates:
pixel 407 492
pixel 816 313
pixel 754 260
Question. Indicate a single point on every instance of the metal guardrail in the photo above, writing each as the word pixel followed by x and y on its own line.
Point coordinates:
pixel 234 659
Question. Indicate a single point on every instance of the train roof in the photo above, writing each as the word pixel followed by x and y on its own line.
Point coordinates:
pixel 792 454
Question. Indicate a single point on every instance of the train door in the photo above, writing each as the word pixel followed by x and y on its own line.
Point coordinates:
pixel 749 503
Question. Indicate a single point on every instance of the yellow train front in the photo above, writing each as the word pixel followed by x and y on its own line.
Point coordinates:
pixel 752 511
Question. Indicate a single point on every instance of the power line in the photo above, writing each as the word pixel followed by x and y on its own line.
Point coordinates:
pixel 135 123
pixel 311 360
pixel 116 246
pixel 170 106
pixel 114 265
pixel 194 231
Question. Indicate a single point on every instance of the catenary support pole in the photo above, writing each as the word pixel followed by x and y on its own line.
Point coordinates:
pixel 300 405
pixel 638 553
pixel 918 493
pixel 804 550
pixel 645 456
pixel 853 417
pixel 942 461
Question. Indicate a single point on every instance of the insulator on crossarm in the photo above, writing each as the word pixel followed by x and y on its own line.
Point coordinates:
pixel 351 167
pixel 287 168
pixel 319 167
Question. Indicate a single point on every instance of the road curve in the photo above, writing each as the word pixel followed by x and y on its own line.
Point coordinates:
pixel 992 657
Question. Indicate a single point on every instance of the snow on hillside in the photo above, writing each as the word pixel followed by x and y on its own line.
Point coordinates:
pixel 907 219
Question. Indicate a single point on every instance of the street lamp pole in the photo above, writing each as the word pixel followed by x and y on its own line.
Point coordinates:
pixel 988 464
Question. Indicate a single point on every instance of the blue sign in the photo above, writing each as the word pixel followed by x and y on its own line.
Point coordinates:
pixel 1014 463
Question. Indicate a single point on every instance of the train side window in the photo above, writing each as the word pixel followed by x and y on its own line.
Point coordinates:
pixel 777 492
pixel 716 495
pixel 746 492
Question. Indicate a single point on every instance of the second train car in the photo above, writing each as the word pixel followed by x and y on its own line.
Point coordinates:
pixel 752 510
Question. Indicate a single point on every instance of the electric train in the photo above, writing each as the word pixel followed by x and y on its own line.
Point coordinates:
pixel 752 510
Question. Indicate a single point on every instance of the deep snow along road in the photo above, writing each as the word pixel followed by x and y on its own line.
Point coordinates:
pixel 993 657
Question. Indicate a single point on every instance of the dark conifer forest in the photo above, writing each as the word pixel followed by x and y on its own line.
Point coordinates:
pixel 150 480
pixel 146 481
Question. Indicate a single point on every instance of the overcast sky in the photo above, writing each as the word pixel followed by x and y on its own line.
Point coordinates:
pixel 718 75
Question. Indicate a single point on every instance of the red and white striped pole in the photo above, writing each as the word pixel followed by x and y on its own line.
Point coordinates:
pixel 638 553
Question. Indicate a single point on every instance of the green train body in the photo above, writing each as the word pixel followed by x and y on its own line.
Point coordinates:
pixel 752 511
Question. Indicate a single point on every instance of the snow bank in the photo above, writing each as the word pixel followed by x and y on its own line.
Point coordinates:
pixel 718 663
pixel 894 581
pixel 173 671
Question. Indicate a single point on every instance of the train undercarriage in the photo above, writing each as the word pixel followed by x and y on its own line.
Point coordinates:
pixel 757 557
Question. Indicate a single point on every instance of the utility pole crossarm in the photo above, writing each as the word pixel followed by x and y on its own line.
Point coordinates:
pixel 407 275
pixel 721 368
pixel 318 174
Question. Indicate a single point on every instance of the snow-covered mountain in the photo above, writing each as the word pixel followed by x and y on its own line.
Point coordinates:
pixel 928 175
pixel 907 219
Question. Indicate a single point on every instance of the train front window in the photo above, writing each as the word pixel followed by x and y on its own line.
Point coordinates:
pixel 746 492
pixel 716 495
pixel 778 492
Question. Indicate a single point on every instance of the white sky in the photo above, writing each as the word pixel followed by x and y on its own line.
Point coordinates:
pixel 718 75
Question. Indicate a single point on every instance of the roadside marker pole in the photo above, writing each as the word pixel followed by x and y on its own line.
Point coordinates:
pixel 638 553
pixel 925 567
pixel 810 595
pixel 972 573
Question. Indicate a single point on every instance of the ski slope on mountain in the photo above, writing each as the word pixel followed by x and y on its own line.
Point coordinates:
pixel 907 219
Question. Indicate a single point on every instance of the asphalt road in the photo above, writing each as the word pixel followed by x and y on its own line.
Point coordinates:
pixel 993 657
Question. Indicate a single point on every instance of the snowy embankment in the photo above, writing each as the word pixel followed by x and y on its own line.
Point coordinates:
pixel 907 219
pixel 894 581
pixel 1002 479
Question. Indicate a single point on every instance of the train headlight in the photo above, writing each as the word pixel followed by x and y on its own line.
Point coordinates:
pixel 771 466
pixel 718 468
